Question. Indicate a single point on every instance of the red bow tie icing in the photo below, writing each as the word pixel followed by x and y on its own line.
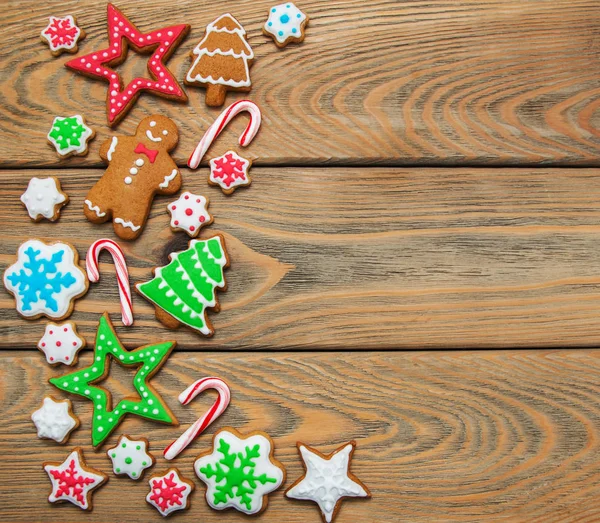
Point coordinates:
pixel 120 30
pixel 150 153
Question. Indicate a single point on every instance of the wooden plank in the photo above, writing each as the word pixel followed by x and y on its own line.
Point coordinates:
pixel 360 258
pixel 379 82
pixel 461 436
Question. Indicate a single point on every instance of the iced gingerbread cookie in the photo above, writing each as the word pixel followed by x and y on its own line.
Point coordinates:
pixel 184 290
pixel 286 24
pixel 222 60
pixel 131 457
pixel 62 35
pixel 122 34
pixel 229 172
pixel 139 167
pixel 61 343
pixel 44 199
pixel 46 279
pixel 169 492
pixel 146 403
pixel 70 136
pixel 189 213
pixel 240 471
pixel 55 420
pixel 327 480
pixel 73 481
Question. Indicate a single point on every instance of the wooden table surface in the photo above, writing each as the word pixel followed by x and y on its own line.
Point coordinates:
pixel 414 267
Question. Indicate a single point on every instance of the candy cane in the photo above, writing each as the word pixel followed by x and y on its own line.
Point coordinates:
pixel 221 122
pixel 219 406
pixel 91 265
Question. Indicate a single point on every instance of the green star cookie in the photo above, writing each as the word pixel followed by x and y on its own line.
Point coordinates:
pixel 148 404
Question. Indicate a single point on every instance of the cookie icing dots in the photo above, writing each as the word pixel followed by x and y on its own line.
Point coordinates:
pixel 131 457
pixel 45 279
pixel 61 343
pixel 286 23
pixel 69 136
pixel 55 420
pixel 189 213
pixel 62 35
pixel 44 198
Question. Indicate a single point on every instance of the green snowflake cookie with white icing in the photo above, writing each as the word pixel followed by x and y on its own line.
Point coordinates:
pixel 70 136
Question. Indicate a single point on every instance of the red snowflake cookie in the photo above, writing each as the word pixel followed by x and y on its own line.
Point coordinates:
pixel 229 172
pixel 62 35
pixel 72 481
pixel 169 492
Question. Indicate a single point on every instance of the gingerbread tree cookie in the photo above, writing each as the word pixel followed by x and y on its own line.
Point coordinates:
pixel 222 60
pixel 139 167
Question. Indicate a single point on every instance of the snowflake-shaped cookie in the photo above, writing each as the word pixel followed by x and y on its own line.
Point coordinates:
pixel 70 136
pixel 240 471
pixel 55 420
pixel 286 24
pixel 131 457
pixel 61 343
pixel 62 35
pixel 229 172
pixel 45 279
pixel 169 492
pixel 189 213
pixel 327 480
pixel 73 481
pixel 44 198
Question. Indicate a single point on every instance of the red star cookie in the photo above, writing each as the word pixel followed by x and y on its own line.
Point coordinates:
pixel 121 31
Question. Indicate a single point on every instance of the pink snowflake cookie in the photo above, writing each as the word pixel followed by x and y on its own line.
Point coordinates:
pixel 61 343
pixel 73 481
pixel 62 35
pixel 229 172
pixel 169 492
pixel 189 213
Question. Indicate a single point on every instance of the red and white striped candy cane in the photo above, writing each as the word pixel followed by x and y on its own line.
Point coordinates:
pixel 91 266
pixel 219 406
pixel 221 122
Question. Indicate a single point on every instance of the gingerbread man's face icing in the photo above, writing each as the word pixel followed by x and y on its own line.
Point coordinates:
pixel 158 131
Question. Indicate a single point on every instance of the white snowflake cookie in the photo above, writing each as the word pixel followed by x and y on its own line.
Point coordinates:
pixel 240 472
pixel 62 35
pixel 327 480
pixel 130 456
pixel 189 213
pixel 286 24
pixel 73 481
pixel 229 172
pixel 169 492
pixel 69 136
pixel 44 198
pixel 55 420
pixel 61 343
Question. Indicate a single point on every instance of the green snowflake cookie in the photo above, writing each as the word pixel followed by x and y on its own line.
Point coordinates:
pixel 69 136
pixel 240 471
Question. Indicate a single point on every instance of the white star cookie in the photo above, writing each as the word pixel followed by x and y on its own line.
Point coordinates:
pixel 327 480
pixel 44 199
pixel 130 456
pixel 55 420
pixel 61 343
pixel 189 213
pixel 286 24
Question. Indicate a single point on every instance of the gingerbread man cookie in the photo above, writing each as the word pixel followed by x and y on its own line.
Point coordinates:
pixel 139 167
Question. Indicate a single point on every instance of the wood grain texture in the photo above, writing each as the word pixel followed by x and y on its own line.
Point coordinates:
pixel 359 258
pixel 378 82
pixel 494 436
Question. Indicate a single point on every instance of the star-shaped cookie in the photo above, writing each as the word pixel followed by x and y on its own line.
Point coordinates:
pixel 327 479
pixel 146 404
pixel 122 34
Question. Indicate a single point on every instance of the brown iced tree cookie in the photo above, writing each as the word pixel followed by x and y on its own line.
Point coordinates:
pixel 139 167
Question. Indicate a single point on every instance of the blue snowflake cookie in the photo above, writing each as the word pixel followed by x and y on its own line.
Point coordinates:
pixel 46 279
pixel 286 24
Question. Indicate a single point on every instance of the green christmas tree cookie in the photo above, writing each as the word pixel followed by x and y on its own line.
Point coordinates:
pixel 147 403
pixel 240 471
pixel 183 290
